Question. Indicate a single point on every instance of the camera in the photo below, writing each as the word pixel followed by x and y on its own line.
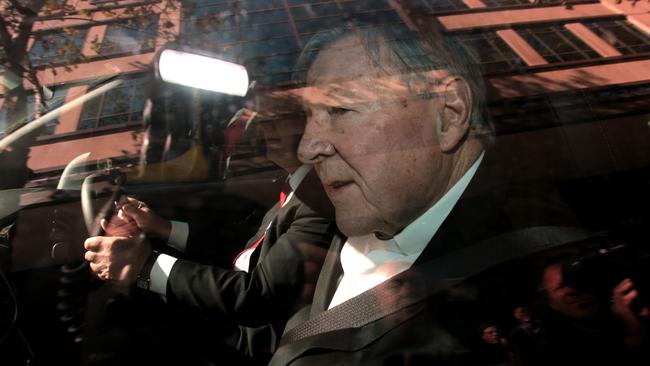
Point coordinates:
pixel 603 262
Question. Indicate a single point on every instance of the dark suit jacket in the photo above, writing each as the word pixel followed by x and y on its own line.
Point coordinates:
pixel 416 317
pixel 282 275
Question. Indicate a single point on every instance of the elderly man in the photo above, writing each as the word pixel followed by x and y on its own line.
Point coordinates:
pixel 396 134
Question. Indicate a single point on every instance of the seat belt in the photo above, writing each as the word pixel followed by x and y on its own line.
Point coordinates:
pixel 439 274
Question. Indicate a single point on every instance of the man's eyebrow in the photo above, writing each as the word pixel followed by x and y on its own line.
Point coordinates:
pixel 353 92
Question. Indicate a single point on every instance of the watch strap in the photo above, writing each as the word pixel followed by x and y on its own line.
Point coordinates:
pixel 143 281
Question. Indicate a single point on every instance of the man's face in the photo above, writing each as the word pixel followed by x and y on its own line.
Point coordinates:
pixel 491 335
pixel 379 158
pixel 566 300
pixel 282 136
pixel 522 314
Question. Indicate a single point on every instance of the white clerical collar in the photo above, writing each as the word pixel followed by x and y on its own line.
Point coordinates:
pixel 297 177
pixel 415 237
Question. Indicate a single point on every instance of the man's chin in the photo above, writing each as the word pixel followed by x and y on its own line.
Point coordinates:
pixel 357 226
pixel 352 227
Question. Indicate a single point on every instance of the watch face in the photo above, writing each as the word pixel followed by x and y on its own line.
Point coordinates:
pixel 142 283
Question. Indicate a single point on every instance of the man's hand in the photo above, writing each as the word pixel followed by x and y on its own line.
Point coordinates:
pixel 634 324
pixel 146 220
pixel 117 258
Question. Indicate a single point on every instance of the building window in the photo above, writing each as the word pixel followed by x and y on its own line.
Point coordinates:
pixel 504 3
pixel 489 51
pixel 500 3
pixel 56 97
pixel 622 35
pixel 221 27
pixel 131 36
pixel 118 106
pixel 261 34
pixel 557 44
pixel 62 46
pixel 436 6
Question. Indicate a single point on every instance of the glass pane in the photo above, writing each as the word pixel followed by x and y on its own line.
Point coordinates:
pixel 315 25
pixel 113 120
pixel 270 47
pixel 621 35
pixel 360 6
pixel 58 47
pixel 117 101
pixel 87 123
pixel 312 11
pixel 261 17
pixel 129 36
pixel 91 108
pixel 558 145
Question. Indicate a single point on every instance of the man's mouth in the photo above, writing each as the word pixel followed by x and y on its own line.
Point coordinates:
pixel 338 186
pixel 581 300
pixel 273 142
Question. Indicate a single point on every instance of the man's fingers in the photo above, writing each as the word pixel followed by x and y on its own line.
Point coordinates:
pixel 95 267
pixel 132 200
pixel 116 258
pixel 629 297
pixel 127 230
pixel 623 287
pixel 133 212
pixel 94 243
pixel 90 256
pixel 122 215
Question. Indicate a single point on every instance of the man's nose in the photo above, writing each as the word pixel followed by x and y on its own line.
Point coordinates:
pixel 315 144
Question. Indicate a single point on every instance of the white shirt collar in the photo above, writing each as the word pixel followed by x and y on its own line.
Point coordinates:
pixel 297 177
pixel 415 237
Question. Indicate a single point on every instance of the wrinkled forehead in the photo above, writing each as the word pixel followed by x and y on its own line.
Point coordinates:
pixel 344 73
pixel 344 60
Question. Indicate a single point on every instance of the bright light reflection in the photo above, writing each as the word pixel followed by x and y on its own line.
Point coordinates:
pixel 203 72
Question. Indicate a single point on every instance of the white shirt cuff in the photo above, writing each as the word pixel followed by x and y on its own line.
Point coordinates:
pixel 160 274
pixel 178 235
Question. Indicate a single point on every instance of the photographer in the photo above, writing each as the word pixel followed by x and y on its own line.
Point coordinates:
pixel 583 327
pixel 493 349
pixel 525 337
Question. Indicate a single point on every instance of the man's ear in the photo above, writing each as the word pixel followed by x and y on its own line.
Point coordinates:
pixel 456 104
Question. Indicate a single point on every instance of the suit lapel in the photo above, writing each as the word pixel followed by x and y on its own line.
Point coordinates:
pixel 328 278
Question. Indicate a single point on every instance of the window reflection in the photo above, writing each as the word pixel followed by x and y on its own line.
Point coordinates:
pixel 442 5
pixel 489 50
pixel 57 47
pixel 118 106
pixel 557 44
pixel 33 111
pixel 621 35
pixel 133 35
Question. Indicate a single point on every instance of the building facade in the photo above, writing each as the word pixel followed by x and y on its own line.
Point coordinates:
pixel 571 74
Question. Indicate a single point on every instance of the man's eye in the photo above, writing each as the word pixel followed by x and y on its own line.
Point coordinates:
pixel 337 111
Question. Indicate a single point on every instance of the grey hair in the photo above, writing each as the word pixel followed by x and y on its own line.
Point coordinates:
pixel 409 53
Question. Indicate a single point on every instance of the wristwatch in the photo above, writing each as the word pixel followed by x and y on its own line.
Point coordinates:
pixel 143 281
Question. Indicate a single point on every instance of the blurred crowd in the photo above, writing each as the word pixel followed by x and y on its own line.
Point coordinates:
pixel 569 326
